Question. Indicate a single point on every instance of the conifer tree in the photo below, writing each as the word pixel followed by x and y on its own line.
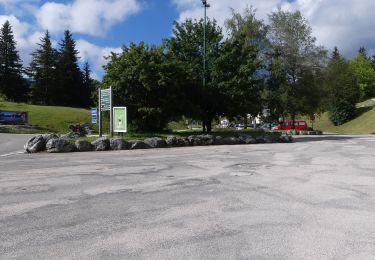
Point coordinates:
pixel 42 70
pixel 88 86
pixel 69 74
pixel 12 84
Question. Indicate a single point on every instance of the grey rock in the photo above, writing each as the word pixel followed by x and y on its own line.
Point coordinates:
pixel 231 140
pixel 195 140
pixel 59 145
pixel 219 140
pixel 137 144
pixel 286 138
pixel 35 144
pixel 71 135
pixel 156 142
pixel 171 141
pixel 101 144
pixel 260 139
pixel 247 139
pixel 207 139
pixel 268 139
pixel 119 144
pixel 48 137
pixel 83 146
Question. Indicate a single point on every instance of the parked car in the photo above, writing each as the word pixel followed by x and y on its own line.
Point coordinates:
pixel 298 125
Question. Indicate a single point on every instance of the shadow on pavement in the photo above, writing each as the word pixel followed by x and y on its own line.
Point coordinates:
pixel 324 138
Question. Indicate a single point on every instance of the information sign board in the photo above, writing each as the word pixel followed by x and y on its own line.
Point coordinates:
pixel 119 120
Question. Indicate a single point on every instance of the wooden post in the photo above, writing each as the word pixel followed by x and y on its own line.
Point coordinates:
pixel 111 112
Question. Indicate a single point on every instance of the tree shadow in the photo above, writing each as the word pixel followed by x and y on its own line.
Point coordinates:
pixel 324 138
pixel 361 110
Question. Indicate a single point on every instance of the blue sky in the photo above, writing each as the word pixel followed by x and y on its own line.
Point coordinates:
pixel 102 26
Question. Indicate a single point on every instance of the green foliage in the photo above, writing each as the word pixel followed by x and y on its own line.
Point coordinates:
pixel 341 113
pixel 150 83
pixel 341 92
pixel 296 64
pixel 186 46
pixel 43 72
pixel 236 73
pixel 12 84
pixel 364 73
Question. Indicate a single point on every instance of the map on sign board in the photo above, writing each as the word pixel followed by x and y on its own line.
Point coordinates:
pixel 119 120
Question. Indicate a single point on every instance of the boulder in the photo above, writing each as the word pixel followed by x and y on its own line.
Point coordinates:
pixel 182 141
pixel 156 142
pixel 268 139
pixel 231 140
pixel 119 144
pixel 83 146
pixel 59 145
pixel 137 144
pixel 35 144
pixel 207 139
pixel 101 144
pixel 219 140
pixel 171 141
pixel 260 139
pixel 195 140
pixel 286 138
pixel 48 137
pixel 72 135
pixel 247 139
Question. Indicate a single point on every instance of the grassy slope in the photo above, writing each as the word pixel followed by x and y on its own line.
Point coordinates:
pixel 49 118
pixel 364 123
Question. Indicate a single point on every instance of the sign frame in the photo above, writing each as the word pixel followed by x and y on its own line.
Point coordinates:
pixel 120 115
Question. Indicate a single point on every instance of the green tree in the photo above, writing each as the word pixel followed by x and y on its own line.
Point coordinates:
pixel 237 72
pixel 341 92
pixel 88 86
pixel 149 82
pixel 12 84
pixel 42 71
pixel 186 45
pixel 364 73
pixel 300 61
pixel 71 89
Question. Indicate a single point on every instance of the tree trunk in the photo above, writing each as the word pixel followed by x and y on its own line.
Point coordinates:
pixel 245 121
pixel 293 120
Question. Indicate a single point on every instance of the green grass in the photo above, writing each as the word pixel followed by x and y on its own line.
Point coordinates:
pixel 363 123
pixel 48 118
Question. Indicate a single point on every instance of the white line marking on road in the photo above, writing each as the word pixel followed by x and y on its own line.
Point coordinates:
pixel 10 154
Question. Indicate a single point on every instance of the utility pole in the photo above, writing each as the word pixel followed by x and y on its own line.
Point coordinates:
pixel 205 6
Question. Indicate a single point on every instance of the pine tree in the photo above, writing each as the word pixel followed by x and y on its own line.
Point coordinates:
pixel 12 84
pixel 69 74
pixel 42 70
pixel 88 86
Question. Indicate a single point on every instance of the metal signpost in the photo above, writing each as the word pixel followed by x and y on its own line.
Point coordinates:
pixel 120 120
pixel 105 104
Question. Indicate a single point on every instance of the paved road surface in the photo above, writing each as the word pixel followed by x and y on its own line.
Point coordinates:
pixel 313 199
pixel 12 143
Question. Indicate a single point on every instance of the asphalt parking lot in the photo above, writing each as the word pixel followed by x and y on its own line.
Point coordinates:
pixel 312 199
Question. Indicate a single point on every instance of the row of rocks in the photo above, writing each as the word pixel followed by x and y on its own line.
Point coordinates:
pixel 52 143
pixel 303 132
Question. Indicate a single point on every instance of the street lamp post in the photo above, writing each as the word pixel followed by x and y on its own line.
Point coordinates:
pixel 205 6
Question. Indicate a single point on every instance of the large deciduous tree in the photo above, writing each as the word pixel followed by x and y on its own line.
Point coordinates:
pixel 12 84
pixel 150 83
pixel 299 60
pixel 237 73
pixel 186 45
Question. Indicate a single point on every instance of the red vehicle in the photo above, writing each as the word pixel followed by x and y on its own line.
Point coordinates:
pixel 299 125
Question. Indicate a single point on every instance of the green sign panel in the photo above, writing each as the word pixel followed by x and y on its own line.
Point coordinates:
pixel 119 120
pixel 105 99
